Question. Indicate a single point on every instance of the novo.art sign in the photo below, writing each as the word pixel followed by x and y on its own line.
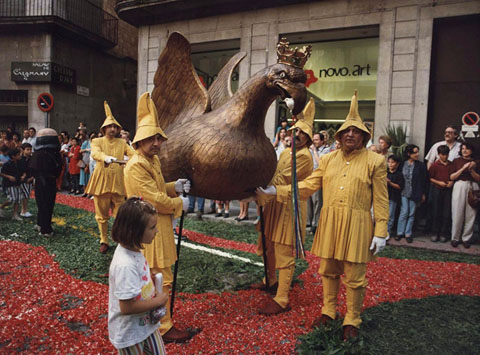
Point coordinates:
pixel 42 72
pixel 336 68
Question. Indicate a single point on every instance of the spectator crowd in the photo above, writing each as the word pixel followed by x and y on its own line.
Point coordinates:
pixel 442 189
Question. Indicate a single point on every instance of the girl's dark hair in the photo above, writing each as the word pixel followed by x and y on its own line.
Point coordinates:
pixel 467 145
pixel 131 221
pixel 409 150
pixel 394 158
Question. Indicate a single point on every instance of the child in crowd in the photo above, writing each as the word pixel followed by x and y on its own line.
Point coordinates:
pixel 132 295
pixel 73 168
pixel 440 172
pixel 3 159
pixel 26 178
pixel 11 182
pixel 395 183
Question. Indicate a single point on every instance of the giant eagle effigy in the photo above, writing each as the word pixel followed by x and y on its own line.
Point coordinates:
pixel 216 138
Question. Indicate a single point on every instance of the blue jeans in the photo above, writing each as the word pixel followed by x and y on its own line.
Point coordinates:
pixel 407 215
pixel 391 216
pixel 200 202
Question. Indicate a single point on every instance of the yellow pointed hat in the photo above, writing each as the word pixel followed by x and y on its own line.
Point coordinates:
pixel 147 119
pixel 305 119
pixel 110 119
pixel 353 119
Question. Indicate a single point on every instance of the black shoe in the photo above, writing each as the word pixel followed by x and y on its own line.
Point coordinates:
pixel 454 243
pixel 398 237
pixel 226 215
pixel 218 214
pixel 409 239
pixel 313 230
pixel 466 245
pixel 190 210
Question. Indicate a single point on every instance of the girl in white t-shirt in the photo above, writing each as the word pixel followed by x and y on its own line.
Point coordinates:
pixel 132 296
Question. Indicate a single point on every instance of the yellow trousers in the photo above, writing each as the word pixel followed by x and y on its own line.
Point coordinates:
pixel 355 283
pixel 103 203
pixel 280 257
pixel 166 322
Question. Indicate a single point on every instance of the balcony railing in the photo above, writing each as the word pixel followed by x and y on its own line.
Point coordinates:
pixel 79 13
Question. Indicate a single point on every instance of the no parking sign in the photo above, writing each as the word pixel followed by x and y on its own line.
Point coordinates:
pixel 45 102
pixel 470 124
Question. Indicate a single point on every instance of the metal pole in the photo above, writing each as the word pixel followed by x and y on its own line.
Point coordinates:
pixel 175 270
pixel 264 248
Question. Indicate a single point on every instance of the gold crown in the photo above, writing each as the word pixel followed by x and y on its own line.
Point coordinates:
pixel 294 57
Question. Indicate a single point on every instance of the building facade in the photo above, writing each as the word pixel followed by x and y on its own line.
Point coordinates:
pixel 76 51
pixel 396 52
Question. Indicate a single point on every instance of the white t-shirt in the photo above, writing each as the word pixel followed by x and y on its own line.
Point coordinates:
pixel 129 277
pixel 454 153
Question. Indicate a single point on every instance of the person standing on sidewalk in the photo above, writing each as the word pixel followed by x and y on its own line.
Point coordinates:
pixel 106 184
pixel 143 178
pixel 439 173
pixel 466 177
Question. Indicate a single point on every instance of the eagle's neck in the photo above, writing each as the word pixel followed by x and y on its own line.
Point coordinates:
pixel 250 103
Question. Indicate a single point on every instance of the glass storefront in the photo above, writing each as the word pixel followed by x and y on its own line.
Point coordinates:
pixel 208 65
pixel 335 69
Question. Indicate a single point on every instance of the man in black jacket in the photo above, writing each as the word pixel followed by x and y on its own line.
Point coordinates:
pixel 46 165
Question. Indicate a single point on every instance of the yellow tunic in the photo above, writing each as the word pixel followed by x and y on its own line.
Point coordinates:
pixel 278 216
pixel 143 177
pixel 108 178
pixel 350 185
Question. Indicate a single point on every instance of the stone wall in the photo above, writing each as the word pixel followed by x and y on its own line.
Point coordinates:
pixel 405 36
pixel 20 47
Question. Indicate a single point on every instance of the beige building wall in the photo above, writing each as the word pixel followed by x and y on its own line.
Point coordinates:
pixel 405 38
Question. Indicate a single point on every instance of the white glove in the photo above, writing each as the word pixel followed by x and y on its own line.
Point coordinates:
pixel 186 202
pixel 378 244
pixel 182 185
pixel 269 190
pixel 290 103
pixel 108 159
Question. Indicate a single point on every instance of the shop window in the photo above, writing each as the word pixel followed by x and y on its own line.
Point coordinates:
pixel 341 62
pixel 209 58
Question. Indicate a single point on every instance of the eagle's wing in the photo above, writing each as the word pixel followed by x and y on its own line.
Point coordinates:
pixel 178 93
pixel 221 89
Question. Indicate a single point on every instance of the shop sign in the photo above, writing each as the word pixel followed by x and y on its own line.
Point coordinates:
pixel 336 68
pixel 31 71
pixel 63 75
pixel 42 72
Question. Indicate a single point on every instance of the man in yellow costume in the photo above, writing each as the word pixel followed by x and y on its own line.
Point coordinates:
pixel 106 184
pixel 143 178
pixel 279 232
pixel 353 179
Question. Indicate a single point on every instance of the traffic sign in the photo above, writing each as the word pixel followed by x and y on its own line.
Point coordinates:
pixel 470 119
pixel 45 102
